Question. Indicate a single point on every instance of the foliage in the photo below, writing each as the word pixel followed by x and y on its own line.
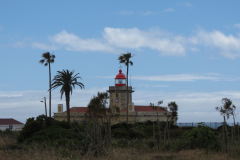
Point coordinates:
pixel 101 115
pixel 134 131
pixel 46 131
pixel 227 109
pixel 201 137
pixel 98 108
pixel 125 59
pixel 33 126
pixel 65 140
pixel 58 136
pixel 173 108
pixel 67 81
pixel 47 60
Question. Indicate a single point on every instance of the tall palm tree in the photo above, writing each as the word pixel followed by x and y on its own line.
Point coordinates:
pixel 47 60
pixel 67 81
pixel 125 58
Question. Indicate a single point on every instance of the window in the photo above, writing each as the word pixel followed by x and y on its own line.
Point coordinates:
pixel 116 100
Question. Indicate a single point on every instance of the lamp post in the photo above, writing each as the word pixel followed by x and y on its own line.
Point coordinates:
pixel 45 105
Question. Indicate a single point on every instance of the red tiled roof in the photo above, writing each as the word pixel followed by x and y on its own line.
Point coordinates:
pixel 78 109
pixel 136 109
pixel 145 109
pixel 8 121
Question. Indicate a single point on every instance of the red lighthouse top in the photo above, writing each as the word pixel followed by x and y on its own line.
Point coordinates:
pixel 120 79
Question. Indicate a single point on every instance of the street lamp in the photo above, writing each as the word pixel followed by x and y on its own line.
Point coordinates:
pixel 45 105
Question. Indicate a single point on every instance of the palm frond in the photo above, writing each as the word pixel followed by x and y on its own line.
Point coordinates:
pixel 125 59
pixel 67 81
pixel 42 61
pixel 47 58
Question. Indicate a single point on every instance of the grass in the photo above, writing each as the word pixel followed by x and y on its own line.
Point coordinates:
pixel 45 152
pixel 122 150
pixel 34 153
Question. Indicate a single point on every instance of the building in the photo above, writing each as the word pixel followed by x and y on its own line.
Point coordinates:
pixel 12 124
pixel 118 93
pixel 118 97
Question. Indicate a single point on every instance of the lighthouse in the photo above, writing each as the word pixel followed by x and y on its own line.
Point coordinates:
pixel 118 93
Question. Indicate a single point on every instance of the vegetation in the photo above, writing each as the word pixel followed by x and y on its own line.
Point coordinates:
pixel 100 115
pixel 125 59
pixel 45 138
pixel 201 137
pixel 47 60
pixel 67 81
pixel 97 138
pixel 226 110
pixel 171 115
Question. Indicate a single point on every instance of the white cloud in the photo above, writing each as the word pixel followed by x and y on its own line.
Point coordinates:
pixel 152 86
pixel 134 38
pixel 20 44
pixel 74 43
pixel 149 13
pixel 237 25
pixel 169 10
pixel 44 46
pixel 193 106
pixel 188 5
pixel 228 45
pixel 176 78
pixel 181 78
pixel 115 40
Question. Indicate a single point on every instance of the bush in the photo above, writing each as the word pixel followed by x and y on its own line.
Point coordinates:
pixel 201 137
pixel 45 130
pixel 132 131
pixel 42 122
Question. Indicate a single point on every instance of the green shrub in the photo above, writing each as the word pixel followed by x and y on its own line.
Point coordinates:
pixel 132 131
pixel 42 122
pixel 201 137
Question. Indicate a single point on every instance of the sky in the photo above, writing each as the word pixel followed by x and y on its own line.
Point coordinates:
pixel 187 51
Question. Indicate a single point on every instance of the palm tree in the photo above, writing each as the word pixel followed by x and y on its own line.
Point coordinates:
pixel 47 60
pixel 67 80
pixel 125 58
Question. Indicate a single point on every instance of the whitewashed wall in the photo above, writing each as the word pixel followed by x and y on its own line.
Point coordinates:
pixel 15 127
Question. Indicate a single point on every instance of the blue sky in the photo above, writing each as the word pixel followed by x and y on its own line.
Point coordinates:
pixel 184 51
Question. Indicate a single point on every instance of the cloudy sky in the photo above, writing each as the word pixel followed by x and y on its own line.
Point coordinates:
pixel 184 51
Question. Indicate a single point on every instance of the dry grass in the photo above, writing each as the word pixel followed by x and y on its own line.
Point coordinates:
pixel 40 152
pixel 34 153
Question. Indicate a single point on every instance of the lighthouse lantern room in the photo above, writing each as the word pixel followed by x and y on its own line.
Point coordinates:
pixel 120 79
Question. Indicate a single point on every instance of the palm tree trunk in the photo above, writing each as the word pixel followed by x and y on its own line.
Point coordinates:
pixel 50 88
pixel 68 106
pixel 127 93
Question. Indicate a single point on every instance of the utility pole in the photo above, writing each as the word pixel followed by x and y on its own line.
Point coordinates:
pixel 45 105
